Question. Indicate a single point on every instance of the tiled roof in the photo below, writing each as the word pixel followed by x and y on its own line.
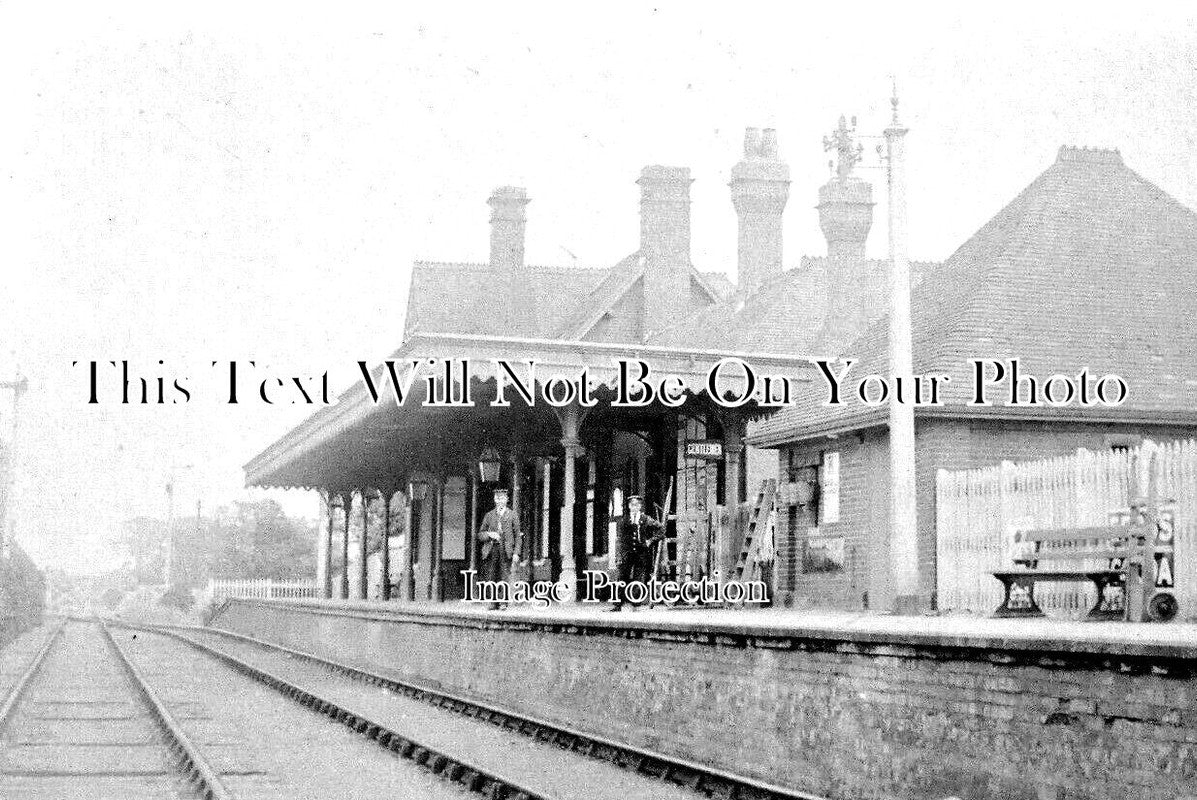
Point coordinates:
pixel 793 312
pixel 455 297
pixel 615 282
pixel 1091 266
pixel 719 283
pixel 459 298
pixel 781 316
pixel 625 277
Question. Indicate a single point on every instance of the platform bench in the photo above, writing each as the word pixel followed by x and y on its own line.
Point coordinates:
pixel 1070 546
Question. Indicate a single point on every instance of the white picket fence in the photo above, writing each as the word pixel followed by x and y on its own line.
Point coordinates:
pixel 977 512
pixel 261 588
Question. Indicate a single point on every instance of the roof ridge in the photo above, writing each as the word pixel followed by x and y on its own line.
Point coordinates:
pixel 1089 155
pixel 440 263
pixel 481 265
pixel 867 260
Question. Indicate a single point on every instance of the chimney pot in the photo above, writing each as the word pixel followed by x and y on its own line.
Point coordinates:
pixel 760 187
pixel 769 143
pixel 752 142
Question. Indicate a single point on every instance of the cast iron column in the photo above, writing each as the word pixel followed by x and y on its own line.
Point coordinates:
pixel 521 549
pixel 471 520
pixel 363 557
pixel 324 549
pixel 570 422
pixel 384 555
pixel 409 553
pixel 346 507
pixel 434 541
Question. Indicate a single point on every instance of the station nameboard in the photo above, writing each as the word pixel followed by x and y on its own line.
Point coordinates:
pixel 709 449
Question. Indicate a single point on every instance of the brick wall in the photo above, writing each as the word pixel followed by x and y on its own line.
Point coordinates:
pixel 864 494
pixel 864 498
pixel 857 713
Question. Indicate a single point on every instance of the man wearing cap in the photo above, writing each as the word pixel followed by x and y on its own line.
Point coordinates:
pixel 637 533
pixel 499 537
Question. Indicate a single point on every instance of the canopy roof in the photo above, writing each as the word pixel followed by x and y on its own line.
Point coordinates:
pixel 361 440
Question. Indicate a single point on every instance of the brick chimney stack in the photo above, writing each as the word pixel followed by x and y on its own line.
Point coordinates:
pixel 760 187
pixel 845 201
pixel 846 215
pixel 508 220
pixel 664 243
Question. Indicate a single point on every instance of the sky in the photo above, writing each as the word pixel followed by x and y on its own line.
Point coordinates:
pixel 252 182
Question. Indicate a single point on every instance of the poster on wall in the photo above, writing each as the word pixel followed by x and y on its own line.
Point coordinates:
pixel 823 554
pixel 454 537
pixel 829 504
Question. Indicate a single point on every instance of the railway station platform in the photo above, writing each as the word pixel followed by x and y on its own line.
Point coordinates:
pixel 834 704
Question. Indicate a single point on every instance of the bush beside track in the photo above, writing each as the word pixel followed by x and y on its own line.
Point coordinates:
pixel 22 594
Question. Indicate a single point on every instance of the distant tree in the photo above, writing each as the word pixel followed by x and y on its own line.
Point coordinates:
pixel 243 540
pixel 142 540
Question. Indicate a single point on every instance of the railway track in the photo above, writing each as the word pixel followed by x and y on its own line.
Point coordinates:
pixel 82 721
pixel 134 713
pixel 121 714
pixel 279 667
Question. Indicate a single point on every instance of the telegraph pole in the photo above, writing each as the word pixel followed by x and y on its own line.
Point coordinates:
pixel 903 553
pixel 168 562
pixel 19 385
pixel 168 568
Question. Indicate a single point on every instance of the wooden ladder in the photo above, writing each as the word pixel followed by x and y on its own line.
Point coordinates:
pixel 756 523
pixel 660 560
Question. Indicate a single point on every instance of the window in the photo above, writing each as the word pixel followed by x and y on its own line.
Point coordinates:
pixel 829 488
pixel 453 526
pixel 814 499
pixel 804 480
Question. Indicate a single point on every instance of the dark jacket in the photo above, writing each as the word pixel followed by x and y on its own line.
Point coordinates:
pixel 637 534
pixel 509 531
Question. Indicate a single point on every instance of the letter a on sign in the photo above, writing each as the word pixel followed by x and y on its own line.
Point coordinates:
pixel 1163 570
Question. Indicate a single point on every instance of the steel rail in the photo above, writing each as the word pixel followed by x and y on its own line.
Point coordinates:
pixel 35 663
pixel 707 780
pixel 202 775
pixel 460 770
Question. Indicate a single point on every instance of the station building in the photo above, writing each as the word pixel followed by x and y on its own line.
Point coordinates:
pixel 1089 269
pixel 568 468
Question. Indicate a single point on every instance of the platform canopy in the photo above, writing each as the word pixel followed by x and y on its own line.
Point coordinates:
pixel 362 440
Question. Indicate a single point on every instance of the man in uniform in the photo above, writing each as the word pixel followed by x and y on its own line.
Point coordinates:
pixel 499 537
pixel 637 534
